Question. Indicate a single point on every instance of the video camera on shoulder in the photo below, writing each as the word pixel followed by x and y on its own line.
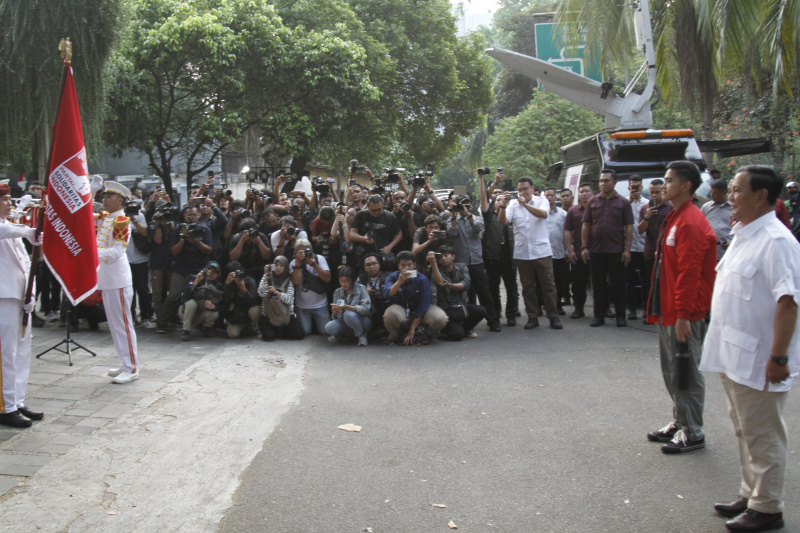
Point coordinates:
pixel 133 208
pixel 418 179
pixel 320 185
pixel 166 213
pixel 393 175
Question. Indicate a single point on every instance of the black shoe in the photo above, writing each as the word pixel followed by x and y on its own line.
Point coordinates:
pixel 388 341
pixel 511 321
pixel 577 313
pixel 532 323
pixel 207 332
pixel 621 322
pixel 561 311
pixel 632 315
pixel 494 326
pixel 186 335
pixel 680 443
pixel 598 321
pixel 664 434
pixel 752 520
pixel 33 415
pixel 15 420
pixel 555 323
pixel 729 510
pixel 517 314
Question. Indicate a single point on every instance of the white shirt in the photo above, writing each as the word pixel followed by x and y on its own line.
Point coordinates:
pixel 14 261
pixel 133 253
pixel 113 270
pixel 275 238
pixel 555 227
pixel 637 242
pixel 309 299
pixel 759 267
pixel 531 236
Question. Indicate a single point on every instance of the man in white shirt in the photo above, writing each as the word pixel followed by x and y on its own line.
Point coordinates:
pixel 15 349
pixel 635 272
pixel 751 343
pixel 532 250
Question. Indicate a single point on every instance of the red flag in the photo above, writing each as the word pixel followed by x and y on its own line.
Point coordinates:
pixel 70 245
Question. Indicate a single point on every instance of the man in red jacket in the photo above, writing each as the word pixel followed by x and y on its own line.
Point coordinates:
pixel 680 299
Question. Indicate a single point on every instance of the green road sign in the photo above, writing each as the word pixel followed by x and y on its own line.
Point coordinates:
pixel 551 47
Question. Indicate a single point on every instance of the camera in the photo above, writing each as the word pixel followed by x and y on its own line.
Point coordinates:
pixel 243 213
pixel 239 274
pixel 166 213
pixel 252 232
pixel 484 171
pixel 355 167
pixel 317 184
pixel 268 200
pixel 429 169
pixel 308 253
pixel 404 206
pixel 393 174
pixel 132 209
pixel 500 170
pixel 418 179
pixel 290 231
pixel 295 209
pixel 192 230
pixel 341 209
pixel 206 272
pixel 440 234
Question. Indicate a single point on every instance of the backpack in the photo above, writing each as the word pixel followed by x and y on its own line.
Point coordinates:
pixel 278 312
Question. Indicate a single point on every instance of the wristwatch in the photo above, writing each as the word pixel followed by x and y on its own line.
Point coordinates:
pixel 779 359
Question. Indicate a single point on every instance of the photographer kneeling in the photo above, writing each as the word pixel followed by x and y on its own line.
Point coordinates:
pixel 413 305
pixel 240 301
pixel 310 275
pixel 278 319
pixel 452 281
pixel 351 309
pixel 203 294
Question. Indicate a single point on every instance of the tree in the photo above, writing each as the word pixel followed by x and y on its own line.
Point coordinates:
pixel 193 76
pixel 527 144
pixel 30 71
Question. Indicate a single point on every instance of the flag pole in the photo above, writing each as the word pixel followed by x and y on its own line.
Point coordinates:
pixel 65 47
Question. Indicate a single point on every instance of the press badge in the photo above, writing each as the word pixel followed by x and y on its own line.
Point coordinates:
pixel 671 236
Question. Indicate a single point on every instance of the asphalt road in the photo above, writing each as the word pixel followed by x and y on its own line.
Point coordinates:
pixel 535 431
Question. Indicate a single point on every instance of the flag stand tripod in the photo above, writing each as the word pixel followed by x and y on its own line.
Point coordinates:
pixel 69 342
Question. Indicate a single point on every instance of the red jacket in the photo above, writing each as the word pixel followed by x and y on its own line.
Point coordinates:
pixel 688 265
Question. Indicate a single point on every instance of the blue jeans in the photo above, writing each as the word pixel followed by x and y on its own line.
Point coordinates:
pixel 320 316
pixel 350 325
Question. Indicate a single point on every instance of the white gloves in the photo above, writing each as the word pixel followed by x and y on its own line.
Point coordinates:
pixel 28 307
pixel 23 202
pixel 31 236
pixel 97 184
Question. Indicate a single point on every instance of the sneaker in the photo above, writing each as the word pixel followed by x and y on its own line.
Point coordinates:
pixel 186 335
pixel 471 334
pixel 148 324
pixel 114 372
pixel 126 377
pixel 334 338
pixel 664 434
pixel 680 443
pixel 52 316
pixel 362 340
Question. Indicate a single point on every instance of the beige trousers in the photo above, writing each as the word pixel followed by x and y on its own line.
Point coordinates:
pixel 757 418
pixel 394 319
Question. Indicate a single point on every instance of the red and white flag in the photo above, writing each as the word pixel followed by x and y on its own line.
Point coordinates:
pixel 70 245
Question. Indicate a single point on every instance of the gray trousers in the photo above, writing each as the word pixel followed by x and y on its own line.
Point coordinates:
pixel 687 404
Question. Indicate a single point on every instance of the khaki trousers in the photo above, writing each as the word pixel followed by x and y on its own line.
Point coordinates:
pixel 757 418
pixel 529 270
pixel 394 320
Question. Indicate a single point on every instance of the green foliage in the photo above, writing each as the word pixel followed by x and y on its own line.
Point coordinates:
pixel 193 76
pixel 527 144
pixel 30 71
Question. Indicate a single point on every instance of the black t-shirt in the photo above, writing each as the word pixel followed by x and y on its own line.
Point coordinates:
pixel 383 228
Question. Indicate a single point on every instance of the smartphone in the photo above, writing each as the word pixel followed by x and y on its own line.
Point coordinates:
pixel 437 256
pixel 413 273
pixel 652 202
pixel 352 183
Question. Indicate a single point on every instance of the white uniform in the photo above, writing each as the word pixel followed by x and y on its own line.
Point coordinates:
pixel 15 352
pixel 115 282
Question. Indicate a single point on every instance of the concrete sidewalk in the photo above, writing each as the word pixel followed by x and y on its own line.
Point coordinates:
pixel 162 452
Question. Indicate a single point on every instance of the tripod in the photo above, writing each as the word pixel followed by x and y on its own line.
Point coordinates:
pixel 68 341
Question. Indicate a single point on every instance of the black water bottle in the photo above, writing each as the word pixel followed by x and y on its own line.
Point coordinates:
pixel 683 360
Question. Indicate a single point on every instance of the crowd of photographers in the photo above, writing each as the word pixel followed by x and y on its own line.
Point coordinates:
pixel 390 262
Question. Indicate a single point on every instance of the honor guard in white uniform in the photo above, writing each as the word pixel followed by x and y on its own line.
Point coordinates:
pixel 15 350
pixel 115 281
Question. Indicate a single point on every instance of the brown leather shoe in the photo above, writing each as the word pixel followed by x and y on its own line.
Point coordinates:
pixel 751 520
pixel 732 509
